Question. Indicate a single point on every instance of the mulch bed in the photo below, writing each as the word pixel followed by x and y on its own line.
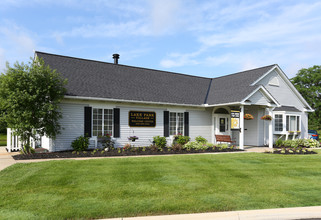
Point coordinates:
pixel 287 151
pixel 297 153
pixel 116 152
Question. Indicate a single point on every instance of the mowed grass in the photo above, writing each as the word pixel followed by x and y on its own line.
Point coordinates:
pixel 3 139
pixel 119 187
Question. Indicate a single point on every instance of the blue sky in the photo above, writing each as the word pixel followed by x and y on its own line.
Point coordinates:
pixel 197 37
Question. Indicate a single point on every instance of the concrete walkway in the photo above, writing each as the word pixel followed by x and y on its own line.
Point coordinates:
pixel 302 213
pixel 6 159
pixel 257 149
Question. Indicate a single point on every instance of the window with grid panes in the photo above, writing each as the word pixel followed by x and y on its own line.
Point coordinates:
pixel 176 123
pixel 102 122
pixel 278 122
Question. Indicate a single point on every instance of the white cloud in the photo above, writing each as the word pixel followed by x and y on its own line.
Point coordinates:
pixel 19 44
pixel 164 15
pixel 107 30
pixel 180 59
pixel 253 34
pixel 151 18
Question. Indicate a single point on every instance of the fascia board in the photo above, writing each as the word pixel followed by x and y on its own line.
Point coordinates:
pixel 128 101
pixel 267 73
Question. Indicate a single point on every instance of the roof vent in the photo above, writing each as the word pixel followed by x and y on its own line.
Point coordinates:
pixel 115 57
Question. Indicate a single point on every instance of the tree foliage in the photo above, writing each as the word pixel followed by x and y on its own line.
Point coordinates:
pixel 308 83
pixel 29 99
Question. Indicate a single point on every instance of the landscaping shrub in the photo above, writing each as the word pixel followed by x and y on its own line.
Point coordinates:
pixel 279 142
pixel 223 146
pixel 311 143
pixel 160 141
pixel 127 147
pixel 200 139
pixel 81 143
pixel 154 148
pixel 195 146
pixel 180 139
pixel 177 147
pixel 106 142
pixel 287 143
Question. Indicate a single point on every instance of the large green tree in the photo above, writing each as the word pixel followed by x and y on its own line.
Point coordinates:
pixel 29 100
pixel 308 83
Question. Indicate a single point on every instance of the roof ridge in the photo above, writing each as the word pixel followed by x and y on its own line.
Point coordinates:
pixel 136 67
pixel 245 71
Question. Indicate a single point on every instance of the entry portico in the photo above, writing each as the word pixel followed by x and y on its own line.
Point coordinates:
pixel 254 132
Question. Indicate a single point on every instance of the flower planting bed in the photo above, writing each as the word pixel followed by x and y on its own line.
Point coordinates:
pixel 299 150
pixel 132 151
pixel 296 146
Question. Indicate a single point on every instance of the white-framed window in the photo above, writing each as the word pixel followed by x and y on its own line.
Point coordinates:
pixel 284 121
pixel 278 122
pixel 176 123
pixel 293 123
pixel 102 121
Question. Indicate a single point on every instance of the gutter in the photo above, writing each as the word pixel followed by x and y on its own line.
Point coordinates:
pixel 130 101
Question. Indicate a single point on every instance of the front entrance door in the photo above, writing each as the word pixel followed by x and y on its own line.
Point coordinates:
pixel 221 124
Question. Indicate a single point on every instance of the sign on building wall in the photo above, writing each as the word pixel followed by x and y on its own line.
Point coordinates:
pixel 141 119
pixel 235 119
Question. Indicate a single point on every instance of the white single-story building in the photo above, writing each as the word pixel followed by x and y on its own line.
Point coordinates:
pixel 129 101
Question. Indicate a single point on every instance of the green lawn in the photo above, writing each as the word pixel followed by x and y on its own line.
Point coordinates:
pixel 118 187
pixel 3 139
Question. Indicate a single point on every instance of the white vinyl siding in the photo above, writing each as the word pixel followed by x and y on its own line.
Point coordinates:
pixel 282 93
pixel 258 99
pixel 72 124
pixel 200 124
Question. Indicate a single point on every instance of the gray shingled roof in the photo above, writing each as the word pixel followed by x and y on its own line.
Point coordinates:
pixel 88 78
pixel 235 87
pixel 287 108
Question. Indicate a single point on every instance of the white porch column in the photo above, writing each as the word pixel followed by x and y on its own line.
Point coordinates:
pixel 213 127
pixel 241 136
pixel 270 129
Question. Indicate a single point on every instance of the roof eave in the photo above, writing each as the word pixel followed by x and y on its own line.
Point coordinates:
pixel 129 101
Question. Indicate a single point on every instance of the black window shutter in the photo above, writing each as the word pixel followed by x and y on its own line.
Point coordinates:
pixel 116 123
pixel 186 123
pixel 87 122
pixel 166 123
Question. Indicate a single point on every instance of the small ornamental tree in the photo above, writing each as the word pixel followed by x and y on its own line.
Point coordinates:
pixel 29 97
